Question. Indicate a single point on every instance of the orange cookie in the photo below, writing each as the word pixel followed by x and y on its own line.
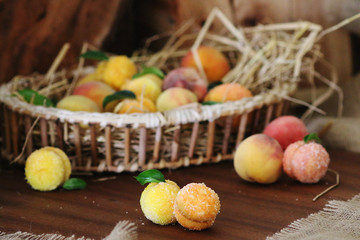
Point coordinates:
pixel 193 225
pixel 196 206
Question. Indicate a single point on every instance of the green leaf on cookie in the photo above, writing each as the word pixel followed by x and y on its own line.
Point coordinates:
pixel 119 95
pixel 150 176
pixel 312 137
pixel 150 70
pixel 95 55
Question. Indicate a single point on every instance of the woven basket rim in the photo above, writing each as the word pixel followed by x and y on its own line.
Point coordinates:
pixel 188 114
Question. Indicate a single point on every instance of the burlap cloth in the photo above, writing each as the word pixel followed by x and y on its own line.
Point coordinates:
pixel 338 220
pixel 123 230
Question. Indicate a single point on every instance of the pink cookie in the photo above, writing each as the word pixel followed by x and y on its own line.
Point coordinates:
pixel 286 130
pixel 306 162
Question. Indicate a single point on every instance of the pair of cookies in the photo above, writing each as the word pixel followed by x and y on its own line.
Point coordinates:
pixel 195 206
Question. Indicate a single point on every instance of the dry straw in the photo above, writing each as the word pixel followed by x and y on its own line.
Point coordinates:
pixel 270 60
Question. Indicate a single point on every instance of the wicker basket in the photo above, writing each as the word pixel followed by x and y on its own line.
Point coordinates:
pixel 195 134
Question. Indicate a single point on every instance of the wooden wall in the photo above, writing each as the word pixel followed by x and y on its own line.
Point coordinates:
pixel 32 32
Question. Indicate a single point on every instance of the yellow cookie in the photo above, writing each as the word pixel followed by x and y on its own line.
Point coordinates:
pixel 65 159
pixel 157 202
pixel 117 70
pixel 144 86
pixel 44 170
pixel 139 105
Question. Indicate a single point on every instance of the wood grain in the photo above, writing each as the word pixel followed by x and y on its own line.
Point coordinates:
pixel 248 211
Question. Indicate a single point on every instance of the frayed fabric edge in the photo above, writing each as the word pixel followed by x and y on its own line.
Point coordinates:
pixel 123 230
pixel 299 228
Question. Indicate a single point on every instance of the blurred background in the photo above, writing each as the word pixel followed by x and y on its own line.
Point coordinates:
pixel 32 32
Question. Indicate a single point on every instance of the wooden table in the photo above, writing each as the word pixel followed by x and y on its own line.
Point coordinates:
pixel 248 211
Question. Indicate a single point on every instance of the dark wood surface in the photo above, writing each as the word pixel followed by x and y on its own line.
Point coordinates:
pixel 248 211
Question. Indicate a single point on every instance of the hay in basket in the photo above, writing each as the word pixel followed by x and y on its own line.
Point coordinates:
pixel 270 60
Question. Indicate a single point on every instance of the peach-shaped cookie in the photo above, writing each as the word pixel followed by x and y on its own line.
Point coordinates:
pixel 174 97
pixel 46 169
pixel 306 162
pixel 144 86
pixel 214 63
pixel 196 206
pixel 188 78
pixel 78 103
pixel 191 224
pixel 117 70
pixel 286 130
pixel 139 105
pixel 94 90
pixel 157 202
pixel 227 92
pixel 64 158
pixel 258 158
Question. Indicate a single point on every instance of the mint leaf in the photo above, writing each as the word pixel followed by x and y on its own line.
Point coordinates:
pixel 119 95
pixel 150 70
pixel 32 96
pixel 207 103
pixel 95 55
pixel 312 137
pixel 74 183
pixel 214 84
pixel 150 176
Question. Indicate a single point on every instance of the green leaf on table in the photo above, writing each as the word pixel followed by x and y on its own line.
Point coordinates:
pixel 150 176
pixel 95 55
pixel 119 95
pixel 74 183
pixel 208 103
pixel 312 137
pixel 150 70
pixel 32 96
